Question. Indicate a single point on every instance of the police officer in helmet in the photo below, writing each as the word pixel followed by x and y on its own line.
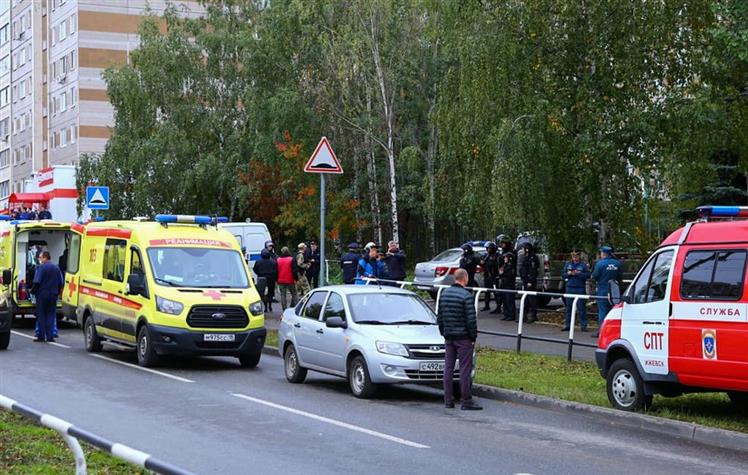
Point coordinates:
pixel 507 276
pixel 490 264
pixel 469 261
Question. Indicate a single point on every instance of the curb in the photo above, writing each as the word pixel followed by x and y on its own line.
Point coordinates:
pixel 658 425
pixel 684 430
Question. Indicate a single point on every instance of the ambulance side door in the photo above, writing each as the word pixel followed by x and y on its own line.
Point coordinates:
pixel 71 272
pixel 109 298
pixel 132 303
pixel 645 316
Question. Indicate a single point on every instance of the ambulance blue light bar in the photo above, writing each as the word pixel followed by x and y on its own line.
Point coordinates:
pixel 5 217
pixel 706 212
pixel 189 219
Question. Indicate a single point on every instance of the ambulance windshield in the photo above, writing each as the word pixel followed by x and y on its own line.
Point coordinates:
pixel 198 267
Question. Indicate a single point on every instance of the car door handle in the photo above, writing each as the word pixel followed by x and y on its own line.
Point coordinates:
pixel 297 325
pixel 320 331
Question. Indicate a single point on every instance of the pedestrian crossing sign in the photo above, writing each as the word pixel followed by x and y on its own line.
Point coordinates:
pixel 97 197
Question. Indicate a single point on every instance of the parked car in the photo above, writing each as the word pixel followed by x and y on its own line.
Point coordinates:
pixel 369 335
pixel 440 270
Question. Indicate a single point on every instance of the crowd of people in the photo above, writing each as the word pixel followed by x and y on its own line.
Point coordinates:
pixel 294 275
pixel 31 214
pixel 502 264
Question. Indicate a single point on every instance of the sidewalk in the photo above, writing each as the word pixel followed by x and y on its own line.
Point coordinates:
pixel 545 327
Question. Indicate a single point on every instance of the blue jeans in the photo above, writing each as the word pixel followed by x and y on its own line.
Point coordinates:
pixel 581 308
pixel 603 307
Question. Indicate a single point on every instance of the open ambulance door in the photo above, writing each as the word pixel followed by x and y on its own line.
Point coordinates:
pixel 72 274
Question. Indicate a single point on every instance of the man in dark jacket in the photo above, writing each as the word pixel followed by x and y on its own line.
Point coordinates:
pixel 314 265
pixel 48 283
pixel 459 327
pixel 268 268
pixel 529 267
pixel 349 263
pixel 469 262
pixel 507 276
pixel 394 261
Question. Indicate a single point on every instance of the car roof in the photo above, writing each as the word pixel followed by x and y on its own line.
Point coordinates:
pixel 714 232
pixel 365 289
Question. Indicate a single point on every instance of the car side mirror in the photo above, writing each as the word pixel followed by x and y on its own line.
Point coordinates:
pixel 261 285
pixel 136 284
pixel 7 276
pixel 336 322
pixel 614 293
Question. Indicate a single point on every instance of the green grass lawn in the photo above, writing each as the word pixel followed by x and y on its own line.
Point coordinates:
pixel 26 448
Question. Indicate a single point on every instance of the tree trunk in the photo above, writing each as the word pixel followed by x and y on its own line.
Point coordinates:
pixel 388 120
pixel 372 174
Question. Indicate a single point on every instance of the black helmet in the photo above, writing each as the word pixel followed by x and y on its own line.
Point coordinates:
pixel 528 246
pixel 491 246
pixel 502 238
pixel 265 254
pixel 467 248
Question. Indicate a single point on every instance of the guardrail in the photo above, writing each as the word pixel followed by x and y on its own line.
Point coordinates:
pixel 71 434
pixel 520 320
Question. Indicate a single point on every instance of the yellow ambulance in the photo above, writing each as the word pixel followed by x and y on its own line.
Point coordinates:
pixel 21 242
pixel 177 285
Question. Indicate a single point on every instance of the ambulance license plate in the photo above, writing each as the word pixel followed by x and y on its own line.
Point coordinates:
pixel 219 337
pixel 432 366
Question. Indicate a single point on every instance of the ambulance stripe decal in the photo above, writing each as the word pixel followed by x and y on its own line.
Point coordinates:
pixel 115 299
pixel 189 242
pixel 109 232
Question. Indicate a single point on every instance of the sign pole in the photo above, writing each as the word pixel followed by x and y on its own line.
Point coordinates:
pixel 322 263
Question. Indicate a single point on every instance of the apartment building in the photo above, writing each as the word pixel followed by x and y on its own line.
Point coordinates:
pixel 53 102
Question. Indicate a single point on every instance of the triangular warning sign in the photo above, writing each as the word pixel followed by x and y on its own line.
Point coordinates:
pixel 323 160
pixel 97 198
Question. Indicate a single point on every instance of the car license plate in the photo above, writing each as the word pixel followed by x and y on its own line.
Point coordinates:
pixel 432 366
pixel 219 337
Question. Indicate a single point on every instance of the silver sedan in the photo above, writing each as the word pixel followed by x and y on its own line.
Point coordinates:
pixel 365 333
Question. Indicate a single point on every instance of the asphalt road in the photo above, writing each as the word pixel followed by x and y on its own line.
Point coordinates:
pixel 210 416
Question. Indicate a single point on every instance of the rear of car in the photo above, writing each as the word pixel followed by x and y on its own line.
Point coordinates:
pixel 440 270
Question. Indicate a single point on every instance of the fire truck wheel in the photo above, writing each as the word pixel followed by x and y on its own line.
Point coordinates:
pixel 739 400
pixel 625 387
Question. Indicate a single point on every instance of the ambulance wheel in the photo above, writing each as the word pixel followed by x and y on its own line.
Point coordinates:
pixel 294 372
pixel 93 342
pixel 250 361
pixel 146 352
pixel 4 340
pixel 625 387
pixel 739 400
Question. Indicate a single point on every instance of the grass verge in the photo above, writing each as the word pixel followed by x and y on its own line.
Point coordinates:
pixel 580 381
pixel 26 448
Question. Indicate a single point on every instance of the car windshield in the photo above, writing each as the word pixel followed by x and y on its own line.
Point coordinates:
pixel 448 255
pixel 390 309
pixel 197 267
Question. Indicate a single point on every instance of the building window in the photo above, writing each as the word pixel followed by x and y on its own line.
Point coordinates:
pixel 63 102
pixel 73 98
pixel 73 23
pixel 4 188
pixel 5 158
pixel 5 65
pixel 27 120
pixel 4 35
pixel 63 27
pixel 4 128
pixel 4 99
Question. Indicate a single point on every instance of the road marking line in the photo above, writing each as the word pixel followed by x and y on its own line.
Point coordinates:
pixel 334 422
pixel 147 370
pixel 32 337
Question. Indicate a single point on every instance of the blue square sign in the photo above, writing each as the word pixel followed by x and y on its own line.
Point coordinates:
pixel 97 197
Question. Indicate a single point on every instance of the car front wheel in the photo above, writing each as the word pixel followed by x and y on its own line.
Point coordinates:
pixel 359 380
pixel 625 387
pixel 739 400
pixel 294 372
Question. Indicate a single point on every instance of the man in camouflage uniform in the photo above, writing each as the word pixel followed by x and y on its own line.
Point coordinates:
pixel 302 283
